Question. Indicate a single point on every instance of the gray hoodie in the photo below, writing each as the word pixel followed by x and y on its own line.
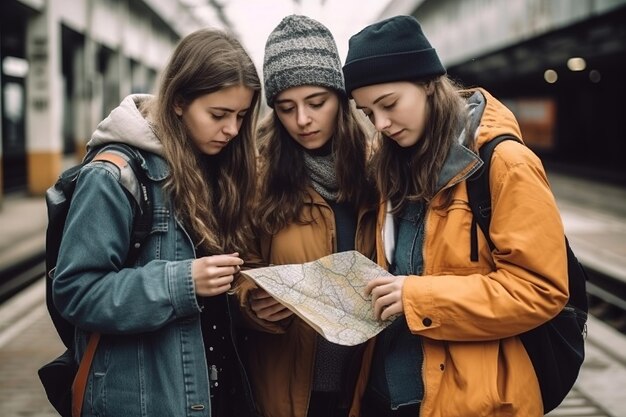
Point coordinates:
pixel 126 124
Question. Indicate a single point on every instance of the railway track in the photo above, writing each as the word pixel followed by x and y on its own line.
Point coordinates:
pixel 607 299
pixel 21 274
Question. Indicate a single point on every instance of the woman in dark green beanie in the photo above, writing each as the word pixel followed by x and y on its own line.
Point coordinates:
pixel 453 348
pixel 314 200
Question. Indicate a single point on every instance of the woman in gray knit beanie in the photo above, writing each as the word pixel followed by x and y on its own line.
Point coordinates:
pixel 314 201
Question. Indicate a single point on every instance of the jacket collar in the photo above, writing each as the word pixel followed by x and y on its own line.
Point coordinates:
pixel 155 166
pixel 461 162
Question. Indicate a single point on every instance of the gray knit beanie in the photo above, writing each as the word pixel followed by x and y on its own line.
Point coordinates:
pixel 300 51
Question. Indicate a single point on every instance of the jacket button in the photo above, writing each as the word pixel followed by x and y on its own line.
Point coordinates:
pixel 427 322
pixel 441 366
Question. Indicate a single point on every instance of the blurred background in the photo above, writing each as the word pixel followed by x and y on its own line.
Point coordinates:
pixel 559 65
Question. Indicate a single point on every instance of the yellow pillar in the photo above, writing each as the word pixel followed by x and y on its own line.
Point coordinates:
pixel 44 100
pixel 43 170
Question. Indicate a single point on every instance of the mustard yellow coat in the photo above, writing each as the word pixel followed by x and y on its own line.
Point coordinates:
pixel 281 356
pixel 468 314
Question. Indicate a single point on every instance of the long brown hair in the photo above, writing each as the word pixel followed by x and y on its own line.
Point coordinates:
pixel 210 194
pixel 284 179
pixel 411 174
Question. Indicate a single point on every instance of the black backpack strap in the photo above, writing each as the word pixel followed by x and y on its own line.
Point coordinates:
pixel 555 348
pixel 479 195
pixel 134 182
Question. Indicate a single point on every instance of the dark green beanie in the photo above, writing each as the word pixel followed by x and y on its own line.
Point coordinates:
pixel 393 49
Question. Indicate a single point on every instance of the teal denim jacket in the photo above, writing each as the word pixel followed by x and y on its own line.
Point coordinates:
pixel 396 376
pixel 151 359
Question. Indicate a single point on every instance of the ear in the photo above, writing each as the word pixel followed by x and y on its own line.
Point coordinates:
pixel 178 108
pixel 429 87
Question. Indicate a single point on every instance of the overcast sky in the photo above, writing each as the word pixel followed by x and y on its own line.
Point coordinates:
pixel 254 20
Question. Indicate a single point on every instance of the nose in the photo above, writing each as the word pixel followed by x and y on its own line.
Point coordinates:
pixel 381 122
pixel 231 128
pixel 302 117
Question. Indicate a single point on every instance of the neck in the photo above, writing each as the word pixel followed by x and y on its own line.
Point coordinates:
pixel 323 150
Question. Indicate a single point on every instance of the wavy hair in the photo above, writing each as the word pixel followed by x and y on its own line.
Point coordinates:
pixel 411 174
pixel 210 194
pixel 284 180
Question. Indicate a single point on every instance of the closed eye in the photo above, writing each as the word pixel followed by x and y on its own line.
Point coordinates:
pixel 389 106
pixel 285 109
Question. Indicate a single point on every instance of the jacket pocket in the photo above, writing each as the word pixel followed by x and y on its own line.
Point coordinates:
pixel 448 242
pixel 153 245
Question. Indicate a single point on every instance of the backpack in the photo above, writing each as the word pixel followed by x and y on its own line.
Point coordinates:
pixel 58 376
pixel 557 347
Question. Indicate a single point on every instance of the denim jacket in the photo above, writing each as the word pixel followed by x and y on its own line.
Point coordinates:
pixel 150 360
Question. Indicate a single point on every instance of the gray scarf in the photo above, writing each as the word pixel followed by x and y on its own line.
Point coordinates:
pixel 322 173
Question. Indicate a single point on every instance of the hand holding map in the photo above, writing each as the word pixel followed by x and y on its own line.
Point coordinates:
pixel 329 294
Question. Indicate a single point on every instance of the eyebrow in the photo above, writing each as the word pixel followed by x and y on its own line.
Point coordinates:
pixel 310 96
pixel 375 101
pixel 229 110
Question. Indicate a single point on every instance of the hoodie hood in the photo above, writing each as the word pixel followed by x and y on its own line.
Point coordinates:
pixel 125 124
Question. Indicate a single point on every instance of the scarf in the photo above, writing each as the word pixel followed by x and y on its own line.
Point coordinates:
pixel 322 173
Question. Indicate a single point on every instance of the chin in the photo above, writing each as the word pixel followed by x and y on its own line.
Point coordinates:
pixel 313 145
pixel 211 152
pixel 407 143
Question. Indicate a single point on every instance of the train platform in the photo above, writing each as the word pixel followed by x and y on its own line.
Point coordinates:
pixel 595 220
pixel 23 222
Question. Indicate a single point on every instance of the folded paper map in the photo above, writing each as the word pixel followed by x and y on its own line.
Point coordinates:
pixel 329 294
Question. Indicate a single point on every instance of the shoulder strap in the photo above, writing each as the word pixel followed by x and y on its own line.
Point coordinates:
pixel 133 180
pixel 128 160
pixel 123 157
pixel 479 195
pixel 80 380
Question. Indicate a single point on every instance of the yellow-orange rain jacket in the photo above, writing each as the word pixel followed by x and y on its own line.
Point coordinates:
pixel 469 313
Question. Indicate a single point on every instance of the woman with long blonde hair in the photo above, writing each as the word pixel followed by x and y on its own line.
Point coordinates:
pixel 165 347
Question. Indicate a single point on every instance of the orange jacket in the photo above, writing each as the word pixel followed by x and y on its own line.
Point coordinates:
pixel 281 357
pixel 468 314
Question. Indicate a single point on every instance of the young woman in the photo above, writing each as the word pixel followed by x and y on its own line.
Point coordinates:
pixel 313 202
pixel 453 349
pixel 165 347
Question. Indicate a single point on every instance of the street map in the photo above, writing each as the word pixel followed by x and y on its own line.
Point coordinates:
pixel 328 294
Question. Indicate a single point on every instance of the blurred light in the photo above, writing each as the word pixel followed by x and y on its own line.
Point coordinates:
pixel 550 76
pixel 576 64
pixel 193 3
pixel 595 76
pixel 14 67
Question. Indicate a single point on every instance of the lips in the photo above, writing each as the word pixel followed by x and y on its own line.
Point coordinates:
pixel 396 134
pixel 307 134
